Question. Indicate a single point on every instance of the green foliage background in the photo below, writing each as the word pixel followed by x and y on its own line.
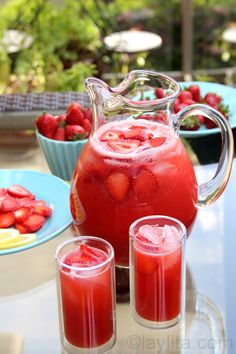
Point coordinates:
pixel 68 40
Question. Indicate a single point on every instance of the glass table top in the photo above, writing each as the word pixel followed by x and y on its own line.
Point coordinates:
pixel 28 300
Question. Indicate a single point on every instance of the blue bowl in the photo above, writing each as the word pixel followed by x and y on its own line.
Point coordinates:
pixel 61 156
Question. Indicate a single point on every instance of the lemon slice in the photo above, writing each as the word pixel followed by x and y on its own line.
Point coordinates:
pixel 8 235
pixel 23 239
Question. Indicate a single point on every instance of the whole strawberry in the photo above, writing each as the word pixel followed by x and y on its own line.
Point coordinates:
pixel 88 114
pixel 87 125
pixel 74 114
pixel 192 123
pixel 46 124
pixel 61 120
pixel 59 134
pixel 195 91
pixel 160 93
pixel 212 99
pixel 75 132
pixel 185 95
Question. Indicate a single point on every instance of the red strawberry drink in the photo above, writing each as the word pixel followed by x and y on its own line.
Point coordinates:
pixel 127 170
pixel 157 267
pixel 86 294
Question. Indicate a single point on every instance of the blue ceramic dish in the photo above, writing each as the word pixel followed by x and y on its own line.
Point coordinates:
pixel 61 156
pixel 53 191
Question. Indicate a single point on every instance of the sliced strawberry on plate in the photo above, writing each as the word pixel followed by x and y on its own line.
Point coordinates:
pixel 3 192
pixel 22 214
pixel 34 222
pixel 18 191
pixel 42 210
pixel 7 219
pixel 9 204
pixel 21 228
pixel 29 203
pixel 118 184
pixel 157 141
pixel 124 146
pixel 145 185
pixel 111 135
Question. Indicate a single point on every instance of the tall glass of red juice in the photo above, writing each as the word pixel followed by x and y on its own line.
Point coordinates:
pixel 86 295
pixel 157 266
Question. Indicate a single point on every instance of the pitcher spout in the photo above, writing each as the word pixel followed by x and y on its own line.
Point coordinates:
pixel 133 97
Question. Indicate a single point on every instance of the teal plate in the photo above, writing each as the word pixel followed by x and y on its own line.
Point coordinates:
pixel 51 189
pixel 228 95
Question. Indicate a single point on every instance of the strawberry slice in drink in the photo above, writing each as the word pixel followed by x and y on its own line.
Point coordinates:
pixel 93 253
pixel 124 146
pixel 117 184
pixel 150 233
pixel 166 237
pixel 136 132
pixel 85 256
pixel 157 141
pixel 111 135
pixel 145 185
pixel 73 258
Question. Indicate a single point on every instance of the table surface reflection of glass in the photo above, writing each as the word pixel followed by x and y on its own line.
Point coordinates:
pixel 28 300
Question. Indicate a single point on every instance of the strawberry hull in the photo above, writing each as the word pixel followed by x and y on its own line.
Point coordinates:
pixel 155 180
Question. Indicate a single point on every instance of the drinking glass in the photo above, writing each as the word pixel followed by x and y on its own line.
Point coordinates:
pixel 157 271
pixel 86 295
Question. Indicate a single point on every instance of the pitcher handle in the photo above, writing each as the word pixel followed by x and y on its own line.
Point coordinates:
pixel 210 191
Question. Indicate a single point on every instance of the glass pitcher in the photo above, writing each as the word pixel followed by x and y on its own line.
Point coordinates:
pixel 134 163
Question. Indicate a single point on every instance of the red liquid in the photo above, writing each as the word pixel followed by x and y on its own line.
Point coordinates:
pixel 158 180
pixel 157 282
pixel 88 321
